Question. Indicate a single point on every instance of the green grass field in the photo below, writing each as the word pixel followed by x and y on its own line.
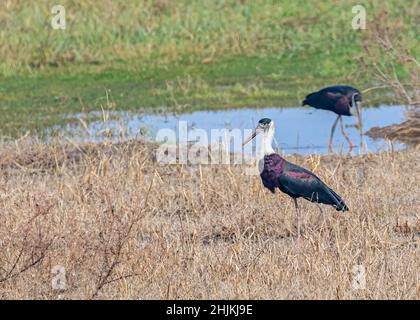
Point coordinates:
pixel 181 55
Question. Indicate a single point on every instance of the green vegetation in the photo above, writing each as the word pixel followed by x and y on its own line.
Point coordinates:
pixel 180 55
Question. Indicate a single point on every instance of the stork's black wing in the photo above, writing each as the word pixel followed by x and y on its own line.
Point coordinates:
pixel 325 98
pixel 334 98
pixel 299 182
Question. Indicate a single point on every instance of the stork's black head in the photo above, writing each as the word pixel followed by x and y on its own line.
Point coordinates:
pixel 357 96
pixel 265 122
pixel 265 126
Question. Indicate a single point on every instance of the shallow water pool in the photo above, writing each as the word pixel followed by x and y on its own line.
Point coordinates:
pixel 301 130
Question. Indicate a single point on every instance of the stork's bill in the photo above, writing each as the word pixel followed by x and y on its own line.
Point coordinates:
pixel 355 110
pixel 264 125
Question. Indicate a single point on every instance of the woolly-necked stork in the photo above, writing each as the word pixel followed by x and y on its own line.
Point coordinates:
pixel 343 100
pixel 289 178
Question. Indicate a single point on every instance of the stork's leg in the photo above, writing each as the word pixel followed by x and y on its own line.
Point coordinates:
pixel 351 145
pixel 297 218
pixel 330 144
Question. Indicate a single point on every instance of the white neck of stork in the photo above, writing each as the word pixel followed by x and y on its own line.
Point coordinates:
pixel 267 141
pixel 266 129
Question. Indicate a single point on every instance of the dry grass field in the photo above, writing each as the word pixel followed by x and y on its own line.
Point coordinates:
pixel 107 221
pixel 110 222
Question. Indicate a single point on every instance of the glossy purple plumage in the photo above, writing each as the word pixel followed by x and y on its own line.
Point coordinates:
pixel 273 168
pixel 297 182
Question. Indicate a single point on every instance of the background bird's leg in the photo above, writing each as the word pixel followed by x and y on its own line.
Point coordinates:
pixel 297 218
pixel 324 223
pixel 345 134
pixel 330 144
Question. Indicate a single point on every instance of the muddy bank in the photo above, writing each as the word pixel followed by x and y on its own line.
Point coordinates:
pixel 407 132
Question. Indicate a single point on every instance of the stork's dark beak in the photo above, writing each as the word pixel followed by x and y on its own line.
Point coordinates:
pixel 359 114
pixel 357 105
pixel 252 136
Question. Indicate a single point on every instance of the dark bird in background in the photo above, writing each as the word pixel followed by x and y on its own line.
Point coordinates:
pixel 343 100
pixel 291 179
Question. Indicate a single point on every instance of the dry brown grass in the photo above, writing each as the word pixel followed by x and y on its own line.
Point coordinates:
pixel 385 54
pixel 124 226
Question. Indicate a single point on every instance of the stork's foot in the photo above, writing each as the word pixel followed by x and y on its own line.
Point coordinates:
pixel 351 144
